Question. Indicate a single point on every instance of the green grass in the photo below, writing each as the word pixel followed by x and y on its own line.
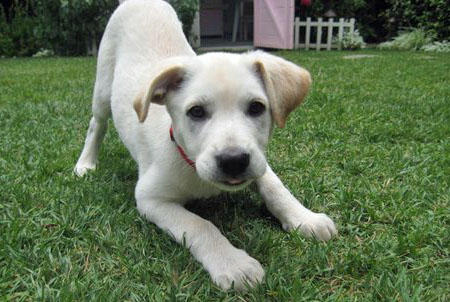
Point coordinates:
pixel 370 147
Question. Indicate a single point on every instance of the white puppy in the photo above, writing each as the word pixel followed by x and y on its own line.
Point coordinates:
pixel 221 108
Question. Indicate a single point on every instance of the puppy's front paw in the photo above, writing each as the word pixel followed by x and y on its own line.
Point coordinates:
pixel 317 225
pixel 236 269
pixel 82 168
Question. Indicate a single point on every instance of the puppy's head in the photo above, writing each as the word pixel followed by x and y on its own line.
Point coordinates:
pixel 223 107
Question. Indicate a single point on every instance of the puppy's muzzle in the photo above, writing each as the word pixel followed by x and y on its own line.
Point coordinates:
pixel 233 162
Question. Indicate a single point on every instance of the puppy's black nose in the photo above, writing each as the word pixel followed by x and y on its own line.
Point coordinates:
pixel 233 161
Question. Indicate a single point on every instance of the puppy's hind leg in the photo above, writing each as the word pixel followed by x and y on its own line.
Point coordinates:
pixel 98 125
pixel 94 137
pixel 101 107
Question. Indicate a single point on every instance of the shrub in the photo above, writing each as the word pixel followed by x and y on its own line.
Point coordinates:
pixel 6 43
pixel 351 41
pixel 73 27
pixel 44 53
pixel 409 40
pixel 443 46
pixel 19 37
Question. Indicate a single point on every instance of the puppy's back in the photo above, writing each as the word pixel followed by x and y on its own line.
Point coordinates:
pixel 139 35
pixel 148 29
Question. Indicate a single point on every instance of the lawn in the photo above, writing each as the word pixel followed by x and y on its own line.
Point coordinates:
pixel 370 147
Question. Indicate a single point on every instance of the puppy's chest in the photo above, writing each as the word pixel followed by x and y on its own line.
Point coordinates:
pixel 195 188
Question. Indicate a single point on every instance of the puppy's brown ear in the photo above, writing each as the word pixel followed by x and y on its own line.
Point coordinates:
pixel 169 79
pixel 286 84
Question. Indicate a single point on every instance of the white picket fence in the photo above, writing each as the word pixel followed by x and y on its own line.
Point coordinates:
pixel 321 25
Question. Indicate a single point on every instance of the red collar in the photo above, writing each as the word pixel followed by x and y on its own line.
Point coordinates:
pixel 181 151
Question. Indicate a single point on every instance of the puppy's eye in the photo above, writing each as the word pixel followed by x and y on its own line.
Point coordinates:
pixel 197 113
pixel 256 108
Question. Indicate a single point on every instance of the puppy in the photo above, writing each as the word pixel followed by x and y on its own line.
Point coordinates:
pixel 196 126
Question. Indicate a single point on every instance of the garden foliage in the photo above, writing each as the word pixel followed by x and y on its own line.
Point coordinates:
pixel 74 27
pixel 443 46
pixel 67 27
pixel 431 15
pixel 381 20
pixel 409 40
pixel 416 39
pixel 18 34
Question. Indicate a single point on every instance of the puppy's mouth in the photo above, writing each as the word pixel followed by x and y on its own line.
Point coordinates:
pixel 234 182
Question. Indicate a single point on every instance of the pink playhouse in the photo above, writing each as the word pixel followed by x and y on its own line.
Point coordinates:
pixel 252 23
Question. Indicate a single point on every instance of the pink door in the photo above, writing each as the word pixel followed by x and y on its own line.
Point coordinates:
pixel 274 23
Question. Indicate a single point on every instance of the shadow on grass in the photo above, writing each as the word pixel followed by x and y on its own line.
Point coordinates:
pixel 229 209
